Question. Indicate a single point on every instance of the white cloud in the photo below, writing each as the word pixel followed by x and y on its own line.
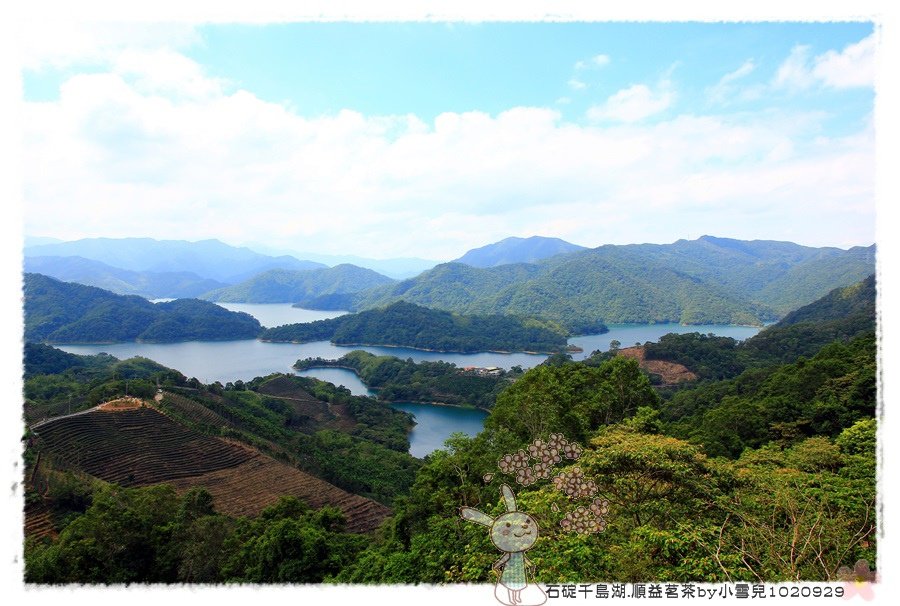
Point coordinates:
pixel 794 72
pixel 852 67
pixel 725 87
pixel 633 104
pixel 154 147
pixel 596 61
pixel 576 84
pixel 745 69
pixel 49 43
pixel 601 60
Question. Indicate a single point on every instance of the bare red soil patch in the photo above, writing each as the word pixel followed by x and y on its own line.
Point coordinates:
pixel 121 404
pixel 671 372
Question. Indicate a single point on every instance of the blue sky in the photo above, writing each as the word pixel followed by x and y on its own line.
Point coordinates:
pixel 427 139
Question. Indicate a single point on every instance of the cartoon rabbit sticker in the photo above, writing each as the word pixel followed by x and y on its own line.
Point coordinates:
pixel 513 533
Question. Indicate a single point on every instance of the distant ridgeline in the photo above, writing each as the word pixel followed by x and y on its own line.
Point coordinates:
pixel 62 312
pixel 842 315
pixel 708 280
pixel 290 286
pixel 406 325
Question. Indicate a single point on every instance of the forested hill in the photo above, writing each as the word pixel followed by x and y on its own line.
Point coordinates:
pixel 407 325
pixel 62 312
pixel 708 280
pixel 287 286
pixel 841 315
pixel 840 304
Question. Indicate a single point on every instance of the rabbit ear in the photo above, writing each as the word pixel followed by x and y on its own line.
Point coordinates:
pixel 508 497
pixel 473 515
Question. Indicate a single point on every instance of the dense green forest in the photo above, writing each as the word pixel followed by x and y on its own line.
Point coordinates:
pixel 151 535
pixel 405 380
pixel 407 325
pixel 287 286
pixel 708 280
pixel 63 312
pixel 677 511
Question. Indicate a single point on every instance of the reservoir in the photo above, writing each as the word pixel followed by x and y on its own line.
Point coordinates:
pixel 225 361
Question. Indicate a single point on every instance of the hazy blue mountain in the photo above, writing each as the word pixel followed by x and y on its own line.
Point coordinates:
pixel 149 284
pixel 210 259
pixel 398 268
pixel 285 286
pixel 38 240
pixel 517 250
pixel 708 280
pixel 65 312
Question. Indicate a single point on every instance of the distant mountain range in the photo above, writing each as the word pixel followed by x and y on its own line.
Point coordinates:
pixel 517 250
pixel 209 259
pixel 286 286
pixel 149 284
pixel 708 280
pixel 64 312
pixel 397 268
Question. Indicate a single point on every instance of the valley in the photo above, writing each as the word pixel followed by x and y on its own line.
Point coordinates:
pixel 295 416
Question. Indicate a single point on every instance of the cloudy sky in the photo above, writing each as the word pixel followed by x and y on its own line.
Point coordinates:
pixel 417 139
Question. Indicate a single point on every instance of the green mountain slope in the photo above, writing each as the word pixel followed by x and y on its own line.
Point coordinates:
pixel 63 312
pixel 286 286
pixel 708 280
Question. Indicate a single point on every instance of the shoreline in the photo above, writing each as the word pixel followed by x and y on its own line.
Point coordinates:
pixel 376 389
pixel 453 351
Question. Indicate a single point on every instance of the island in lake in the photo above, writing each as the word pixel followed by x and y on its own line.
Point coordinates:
pixel 405 324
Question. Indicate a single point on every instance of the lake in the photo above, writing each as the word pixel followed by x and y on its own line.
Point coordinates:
pixel 226 361
pixel 279 314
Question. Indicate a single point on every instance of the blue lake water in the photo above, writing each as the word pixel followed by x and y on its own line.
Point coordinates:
pixel 434 424
pixel 631 334
pixel 226 361
pixel 279 314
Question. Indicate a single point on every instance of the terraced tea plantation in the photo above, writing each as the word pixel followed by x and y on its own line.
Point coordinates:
pixel 254 485
pixel 136 447
pixel 142 446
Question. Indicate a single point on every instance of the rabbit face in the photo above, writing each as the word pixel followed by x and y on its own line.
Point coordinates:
pixel 514 531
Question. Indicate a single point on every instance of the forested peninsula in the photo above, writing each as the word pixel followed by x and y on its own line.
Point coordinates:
pixel 64 312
